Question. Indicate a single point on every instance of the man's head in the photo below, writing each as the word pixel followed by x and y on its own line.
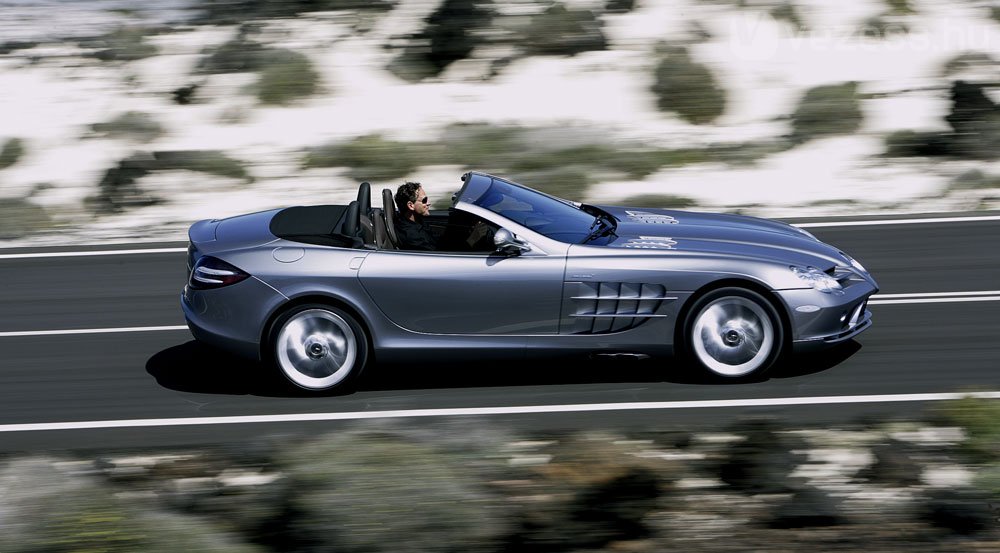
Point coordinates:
pixel 411 200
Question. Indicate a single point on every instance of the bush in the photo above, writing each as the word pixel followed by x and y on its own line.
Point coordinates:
pixel 286 76
pixel 48 510
pixel 212 162
pixel 123 44
pixel 975 118
pixel 660 200
pixel 369 157
pixel 912 143
pixel 236 11
pixel 20 218
pixel 448 36
pixel 900 7
pixel 570 182
pixel 375 491
pixel 981 420
pixel 239 55
pixel 559 31
pixel 11 152
pixel 688 89
pixel 827 110
pixel 787 12
pixel 131 124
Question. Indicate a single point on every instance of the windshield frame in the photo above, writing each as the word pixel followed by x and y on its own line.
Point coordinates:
pixel 555 218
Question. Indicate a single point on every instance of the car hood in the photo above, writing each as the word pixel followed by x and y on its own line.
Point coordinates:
pixel 664 229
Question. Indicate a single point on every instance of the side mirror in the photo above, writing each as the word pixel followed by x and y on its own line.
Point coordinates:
pixel 508 244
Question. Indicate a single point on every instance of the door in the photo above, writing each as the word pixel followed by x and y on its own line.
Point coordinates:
pixel 442 293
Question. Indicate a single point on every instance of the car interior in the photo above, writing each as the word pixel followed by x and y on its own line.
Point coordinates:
pixel 360 225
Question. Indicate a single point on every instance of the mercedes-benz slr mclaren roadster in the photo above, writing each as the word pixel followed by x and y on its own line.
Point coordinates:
pixel 321 291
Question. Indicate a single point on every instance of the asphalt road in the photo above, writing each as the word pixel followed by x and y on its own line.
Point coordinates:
pixel 912 348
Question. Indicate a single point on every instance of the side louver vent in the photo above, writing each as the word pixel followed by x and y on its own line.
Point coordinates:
pixel 602 307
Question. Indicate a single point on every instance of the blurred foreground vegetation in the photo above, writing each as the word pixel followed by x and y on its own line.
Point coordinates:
pixel 465 486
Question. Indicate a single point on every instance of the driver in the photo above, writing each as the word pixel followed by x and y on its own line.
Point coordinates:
pixel 411 228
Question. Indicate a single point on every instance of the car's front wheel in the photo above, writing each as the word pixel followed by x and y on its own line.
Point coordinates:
pixel 733 333
pixel 318 347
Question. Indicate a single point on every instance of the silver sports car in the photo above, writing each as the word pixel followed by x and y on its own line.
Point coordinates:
pixel 322 291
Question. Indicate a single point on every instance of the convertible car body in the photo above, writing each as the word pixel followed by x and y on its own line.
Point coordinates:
pixel 321 291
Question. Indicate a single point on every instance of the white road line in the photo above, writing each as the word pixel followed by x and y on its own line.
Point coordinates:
pixel 91 331
pixel 932 300
pixel 898 221
pixel 484 411
pixel 879 299
pixel 937 294
pixel 90 253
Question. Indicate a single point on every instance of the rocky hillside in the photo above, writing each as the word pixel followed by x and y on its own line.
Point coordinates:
pixel 125 122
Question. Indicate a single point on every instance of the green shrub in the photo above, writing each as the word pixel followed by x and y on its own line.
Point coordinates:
pixel 975 118
pixel 569 182
pixel 988 479
pixel 48 510
pixel 900 7
pixel 560 31
pixel 239 55
pixel 483 146
pixel 376 491
pixel 974 179
pixel 286 76
pixel 228 12
pixel 911 143
pixel 212 162
pixel 123 44
pixel 660 200
pixel 787 12
pixel 11 152
pixel 980 418
pixel 131 124
pixel 827 110
pixel 370 157
pixel 688 89
pixel 19 218
pixel 449 35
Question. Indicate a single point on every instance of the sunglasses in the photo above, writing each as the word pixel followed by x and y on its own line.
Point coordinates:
pixel 424 201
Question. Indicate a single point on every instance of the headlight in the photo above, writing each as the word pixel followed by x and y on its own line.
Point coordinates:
pixel 818 279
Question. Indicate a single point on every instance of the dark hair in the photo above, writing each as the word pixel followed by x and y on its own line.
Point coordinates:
pixel 407 192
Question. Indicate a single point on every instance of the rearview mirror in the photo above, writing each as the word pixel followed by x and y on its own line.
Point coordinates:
pixel 509 244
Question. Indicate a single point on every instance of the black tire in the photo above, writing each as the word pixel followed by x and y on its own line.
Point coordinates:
pixel 732 334
pixel 318 347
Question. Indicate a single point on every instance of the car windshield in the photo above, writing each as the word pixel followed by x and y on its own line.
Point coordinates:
pixel 543 214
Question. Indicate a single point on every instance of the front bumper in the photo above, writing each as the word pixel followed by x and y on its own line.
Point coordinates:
pixel 819 319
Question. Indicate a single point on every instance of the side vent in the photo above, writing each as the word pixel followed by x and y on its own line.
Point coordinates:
pixel 604 307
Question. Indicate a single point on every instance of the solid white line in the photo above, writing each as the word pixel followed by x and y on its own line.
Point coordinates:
pixel 937 294
pixel 90 253
pixel 91 331
pixel 932 300
pixel 482 411
pixel 899 221
pixel 879 299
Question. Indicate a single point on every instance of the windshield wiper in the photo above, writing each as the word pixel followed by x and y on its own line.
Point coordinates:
pixel 602 226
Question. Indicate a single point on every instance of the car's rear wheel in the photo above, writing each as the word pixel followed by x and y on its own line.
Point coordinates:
pixel 319 347
pixel 733 333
